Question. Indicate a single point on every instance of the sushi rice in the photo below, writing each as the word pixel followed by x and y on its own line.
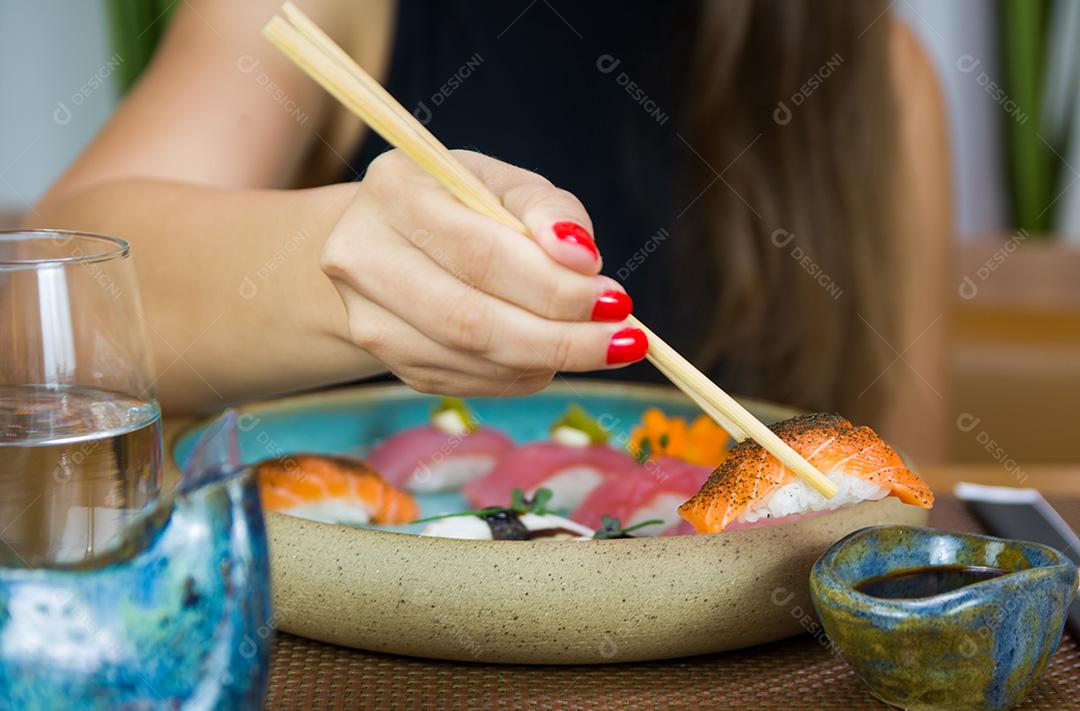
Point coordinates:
pixel 798 497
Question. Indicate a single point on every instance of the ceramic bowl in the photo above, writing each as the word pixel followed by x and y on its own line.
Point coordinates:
pixel 176 616
pixel 556 602
pixel 981 646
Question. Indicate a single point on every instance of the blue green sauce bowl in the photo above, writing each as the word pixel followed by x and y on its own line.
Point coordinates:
pixel 980 645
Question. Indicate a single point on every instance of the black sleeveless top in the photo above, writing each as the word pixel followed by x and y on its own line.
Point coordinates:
pixel 588 94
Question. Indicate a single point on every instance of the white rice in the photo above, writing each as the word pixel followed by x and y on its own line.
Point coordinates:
pixel 664 506
pixel 450 473
pixel 471 527
pixel 570 486
pixel 343 511
pixel 798 497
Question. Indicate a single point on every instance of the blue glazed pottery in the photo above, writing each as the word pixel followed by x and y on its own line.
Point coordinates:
pixel 178 616
pixel 979 646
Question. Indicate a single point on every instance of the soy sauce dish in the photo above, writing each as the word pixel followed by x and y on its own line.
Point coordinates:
pixel 932 619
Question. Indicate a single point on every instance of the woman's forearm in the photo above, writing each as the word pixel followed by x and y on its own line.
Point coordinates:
pixel 235 303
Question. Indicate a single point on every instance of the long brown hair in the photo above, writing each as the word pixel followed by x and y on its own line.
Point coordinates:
pixel 792 104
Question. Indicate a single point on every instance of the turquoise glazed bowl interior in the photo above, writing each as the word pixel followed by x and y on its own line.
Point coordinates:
pixel 979 646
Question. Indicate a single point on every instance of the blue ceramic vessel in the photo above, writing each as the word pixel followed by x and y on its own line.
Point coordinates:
pixel 980 646
pixel 177 617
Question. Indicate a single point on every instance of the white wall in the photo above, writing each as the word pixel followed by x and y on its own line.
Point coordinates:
pixel 49 51
pixel 953 32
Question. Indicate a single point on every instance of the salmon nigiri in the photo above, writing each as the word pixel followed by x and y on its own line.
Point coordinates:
pixel 332 489
pixel 751 486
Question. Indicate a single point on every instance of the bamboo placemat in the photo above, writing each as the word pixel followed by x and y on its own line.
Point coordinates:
pixel 799 673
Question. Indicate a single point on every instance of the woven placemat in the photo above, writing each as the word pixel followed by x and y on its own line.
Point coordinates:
pixel 799 673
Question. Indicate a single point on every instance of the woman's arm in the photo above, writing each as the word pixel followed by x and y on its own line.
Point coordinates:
pixel 251 291
pixel 236 306
pixel 228 268
pixel 918 378
pixel 218 105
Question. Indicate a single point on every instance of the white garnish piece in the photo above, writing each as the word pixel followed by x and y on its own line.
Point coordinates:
pixel 535 522
pixel 471 527
pixel 570 436
pixel 451 422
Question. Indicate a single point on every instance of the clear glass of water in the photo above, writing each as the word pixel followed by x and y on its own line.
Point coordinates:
pixel 80 429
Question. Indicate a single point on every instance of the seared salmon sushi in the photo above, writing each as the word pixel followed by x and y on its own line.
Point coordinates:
pixel 751 487
pixel 332 489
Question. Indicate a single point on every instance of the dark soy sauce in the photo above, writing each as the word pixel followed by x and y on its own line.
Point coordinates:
pixel 924 582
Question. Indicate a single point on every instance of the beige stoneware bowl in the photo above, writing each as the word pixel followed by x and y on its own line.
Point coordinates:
pixel 537 602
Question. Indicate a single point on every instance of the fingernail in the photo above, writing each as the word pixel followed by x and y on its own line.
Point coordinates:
pixel 612 305
pixel 627 346
pixel 574 233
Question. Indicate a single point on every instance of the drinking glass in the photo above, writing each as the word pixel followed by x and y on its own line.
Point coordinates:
pixel 80 429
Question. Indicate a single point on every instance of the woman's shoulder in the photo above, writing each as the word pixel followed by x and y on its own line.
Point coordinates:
pixel 917 87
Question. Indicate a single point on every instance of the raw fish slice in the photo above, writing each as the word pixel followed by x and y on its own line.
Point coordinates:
pixel 751 484
pixel 570 472
pixel 646 491
pixel 332 490
pixel 426 458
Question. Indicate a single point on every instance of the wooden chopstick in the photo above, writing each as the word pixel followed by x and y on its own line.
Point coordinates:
pixel 325 62
pixel 315 34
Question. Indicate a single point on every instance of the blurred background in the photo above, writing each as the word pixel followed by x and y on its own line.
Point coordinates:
pixel 1010 70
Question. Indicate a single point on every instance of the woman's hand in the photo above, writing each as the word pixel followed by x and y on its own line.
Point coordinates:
pixel 454 303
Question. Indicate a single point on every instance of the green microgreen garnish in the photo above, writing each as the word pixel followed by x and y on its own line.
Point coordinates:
pixel 610 527
pixel 519 504
pixel 643 451
pixel 457 405
pixel 537 504
pixel 576 418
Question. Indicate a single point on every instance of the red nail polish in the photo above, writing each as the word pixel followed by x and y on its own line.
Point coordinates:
pixel 574 233
pixel 627 346
pixel 612 305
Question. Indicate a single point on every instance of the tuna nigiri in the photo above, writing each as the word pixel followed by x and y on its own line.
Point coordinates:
pixel 331 490
pixel 751 486
pixel 571 465
pixel 651 490
pixel 445 454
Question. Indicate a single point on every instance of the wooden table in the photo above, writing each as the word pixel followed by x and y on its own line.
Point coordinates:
pixel 1062 480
